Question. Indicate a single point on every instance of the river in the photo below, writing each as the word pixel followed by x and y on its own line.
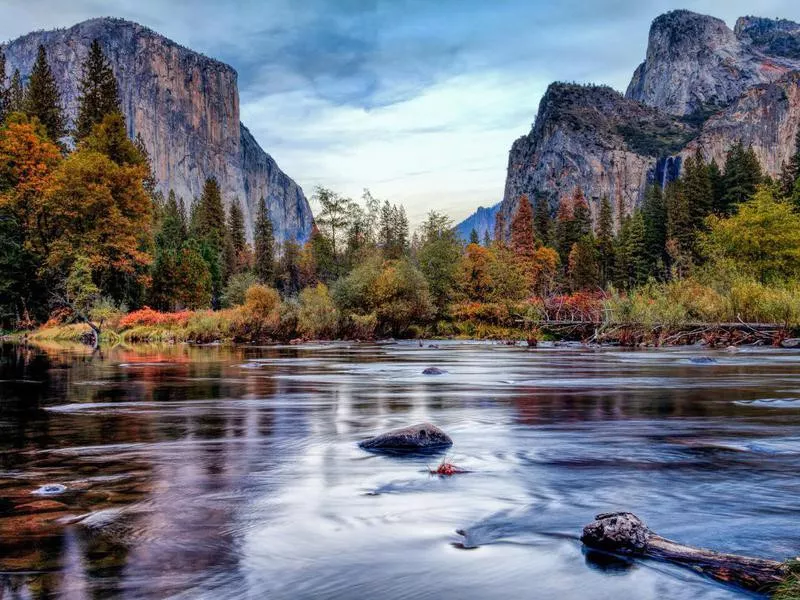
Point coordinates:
pixel 216 472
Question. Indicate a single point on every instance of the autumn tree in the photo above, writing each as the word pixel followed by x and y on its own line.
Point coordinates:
pixel 98 89
pixel 43 99
pixel 474 277
pixel 762 239
pixel 500 229
pixel 522 242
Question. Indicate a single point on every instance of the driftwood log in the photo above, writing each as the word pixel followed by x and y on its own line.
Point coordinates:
pixel 625 533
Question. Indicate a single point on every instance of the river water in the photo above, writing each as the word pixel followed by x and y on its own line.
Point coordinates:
pixel 214 472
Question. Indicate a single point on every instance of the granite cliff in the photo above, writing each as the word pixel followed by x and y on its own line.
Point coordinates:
pixel 186 108
pixel 702 87
pixel 482 221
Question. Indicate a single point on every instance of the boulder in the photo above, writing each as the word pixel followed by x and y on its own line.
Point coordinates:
pixel 422 437
pixel 434 371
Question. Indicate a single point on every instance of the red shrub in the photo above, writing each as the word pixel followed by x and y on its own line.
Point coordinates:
pixel 149 317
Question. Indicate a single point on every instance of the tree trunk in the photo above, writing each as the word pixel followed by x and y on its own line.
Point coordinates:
pixel 624 533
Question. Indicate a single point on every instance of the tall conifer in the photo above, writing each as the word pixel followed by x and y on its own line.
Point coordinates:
pixel 42 98
pixel 264 246
pixel 99 92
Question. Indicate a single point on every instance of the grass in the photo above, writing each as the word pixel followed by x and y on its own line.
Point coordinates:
pixel 790 588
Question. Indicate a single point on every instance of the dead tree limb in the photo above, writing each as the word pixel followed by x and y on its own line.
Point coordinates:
pixel 624 533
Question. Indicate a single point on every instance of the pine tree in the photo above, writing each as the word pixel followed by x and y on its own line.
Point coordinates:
pixel 522 242
pixel 681 234
pixel 473 237
pixel 264 259
pixel 500 229
pixel 209 218
pixel 583 267
pixel 99 92
pixel 235 240
pixel 581 214
pixel 631 268
pixel 742 176
pixel 605 241
pixel 42 98
pixel 698 188
pixel 16 94
pixel 542 221
pixel 172 233
pixel 487 239
pixel 3 89
pixel 717 186
pixel 654 214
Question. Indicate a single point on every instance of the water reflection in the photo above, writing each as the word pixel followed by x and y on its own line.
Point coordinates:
pixel 233 472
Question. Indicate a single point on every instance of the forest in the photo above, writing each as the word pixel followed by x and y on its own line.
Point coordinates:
pixel 89 248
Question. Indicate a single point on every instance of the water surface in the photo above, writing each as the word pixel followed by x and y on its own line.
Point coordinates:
pixel 213 472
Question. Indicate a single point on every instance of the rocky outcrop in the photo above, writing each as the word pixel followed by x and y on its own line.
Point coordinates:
pixel 696 63
pixel 765 117
pixel 703 87
pixel 482 221
pixel 591 137
pixel 186 108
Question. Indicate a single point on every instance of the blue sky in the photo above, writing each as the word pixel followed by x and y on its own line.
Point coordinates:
pixel 418 100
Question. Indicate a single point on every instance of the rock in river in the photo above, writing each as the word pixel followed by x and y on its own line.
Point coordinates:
pixel 422 437
pixel 434 371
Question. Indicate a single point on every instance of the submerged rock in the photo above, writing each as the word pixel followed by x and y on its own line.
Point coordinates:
pixel 434 371
pixel 421 437
pixel 51 489
pixel 702 360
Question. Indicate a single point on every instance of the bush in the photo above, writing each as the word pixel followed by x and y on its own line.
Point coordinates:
pixel 360 327
pixel 318 317
pixel 234 293
pixel 149 317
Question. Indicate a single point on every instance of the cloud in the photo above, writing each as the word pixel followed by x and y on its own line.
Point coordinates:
pixel 419 100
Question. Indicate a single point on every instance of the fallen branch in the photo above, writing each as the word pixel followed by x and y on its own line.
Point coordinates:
pixel 624 533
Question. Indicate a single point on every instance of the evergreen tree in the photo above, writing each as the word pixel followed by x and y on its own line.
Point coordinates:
pixel 742 176
pixel 681 232
pixel 264 246
pixel 99 92
pixel 522 242
pixel 605 242
pixel 500 229
pixel 542 220
pixel 717 186
pixel 16 94
pixel 4 91
pixel 698 188
pixel 581 214
pixel 172 233
pixel 632 267
pixel 208 221
pixel 438 257
pixel 288 277
pixel 654 214
pixel 235 241
pixel 583 267
pixel 42 98
pixel 473 237
pixel 487 239
pixel 790 175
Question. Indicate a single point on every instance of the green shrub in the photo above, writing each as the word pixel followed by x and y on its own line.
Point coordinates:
pixel 318 317
pixel 234 293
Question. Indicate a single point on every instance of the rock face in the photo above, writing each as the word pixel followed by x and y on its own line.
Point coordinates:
pixel 695 63
pixel 702 87
pixel 593 138
pixel 482 221
pixel 186 108
pixel 422 437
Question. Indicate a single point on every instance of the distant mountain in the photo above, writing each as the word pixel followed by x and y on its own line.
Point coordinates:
pixel 186 108
pixel 482 220
pixel 703 87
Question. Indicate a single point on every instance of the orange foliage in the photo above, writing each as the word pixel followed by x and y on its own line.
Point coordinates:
pixel 149 317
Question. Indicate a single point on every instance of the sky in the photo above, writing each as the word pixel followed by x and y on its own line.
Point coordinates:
pixel 417 100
